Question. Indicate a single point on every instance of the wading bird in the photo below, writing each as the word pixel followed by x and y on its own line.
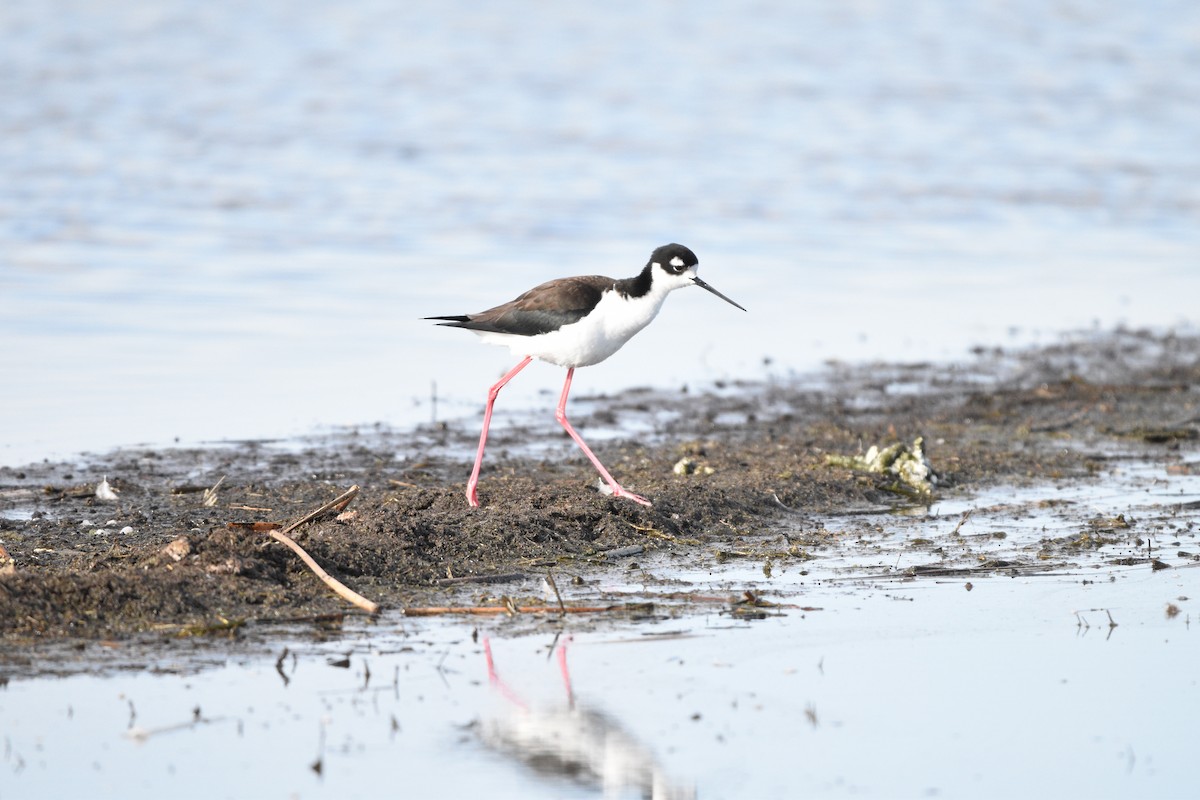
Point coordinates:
pixel 577 322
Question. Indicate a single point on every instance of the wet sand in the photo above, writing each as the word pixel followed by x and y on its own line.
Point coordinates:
pixel 158 562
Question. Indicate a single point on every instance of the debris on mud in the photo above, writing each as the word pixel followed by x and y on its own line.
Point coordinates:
pixel 908 470
pixel 185 548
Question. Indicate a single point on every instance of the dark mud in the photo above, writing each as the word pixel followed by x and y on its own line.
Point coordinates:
pixel 158 561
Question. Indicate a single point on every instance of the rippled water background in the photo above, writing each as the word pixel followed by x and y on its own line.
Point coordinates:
pixel 223 220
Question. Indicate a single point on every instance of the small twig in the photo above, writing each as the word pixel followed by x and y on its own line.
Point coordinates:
pixel 966 516
pixel 433 611
pixel 554 586
pixel 621 552
pixel 222 626
pixel 338 503
pixel 209 498
pixel 260 527
pixel 334 618
pixel 343 591
pixel 505 578
pixel 655 533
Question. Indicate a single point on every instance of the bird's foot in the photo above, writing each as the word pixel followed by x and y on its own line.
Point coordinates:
pixel 472 497
pixel 628 495
pixel 606 485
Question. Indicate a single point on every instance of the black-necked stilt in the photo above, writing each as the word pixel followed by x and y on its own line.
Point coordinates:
pixel 577 322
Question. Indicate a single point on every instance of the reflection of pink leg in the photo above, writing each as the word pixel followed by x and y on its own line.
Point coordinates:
pixel 472 497
pixel 566 673
pixel 561 416
pixel 494 679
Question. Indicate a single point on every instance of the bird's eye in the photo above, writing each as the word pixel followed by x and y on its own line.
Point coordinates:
pixel 676 265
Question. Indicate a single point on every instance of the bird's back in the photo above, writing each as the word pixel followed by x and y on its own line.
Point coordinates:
pixel 543 309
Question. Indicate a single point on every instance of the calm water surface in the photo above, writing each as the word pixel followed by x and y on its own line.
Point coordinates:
pixel 891 689
pixel 219 221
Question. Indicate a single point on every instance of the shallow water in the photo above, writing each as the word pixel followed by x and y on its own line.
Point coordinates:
pixel 889 690
pixel 869 678
pixel 222 223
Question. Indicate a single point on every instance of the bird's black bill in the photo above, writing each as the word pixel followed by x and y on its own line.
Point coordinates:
pixel 704 285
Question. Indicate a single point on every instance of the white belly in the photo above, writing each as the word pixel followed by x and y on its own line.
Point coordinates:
pixel 611 324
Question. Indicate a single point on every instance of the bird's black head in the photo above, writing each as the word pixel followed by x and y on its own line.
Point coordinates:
pixel 674 258
pixel 679 267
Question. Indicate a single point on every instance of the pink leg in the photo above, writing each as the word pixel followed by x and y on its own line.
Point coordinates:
pixel 561 416
pixel 472 496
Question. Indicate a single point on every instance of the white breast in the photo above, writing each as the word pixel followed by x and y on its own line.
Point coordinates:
pixel 611 324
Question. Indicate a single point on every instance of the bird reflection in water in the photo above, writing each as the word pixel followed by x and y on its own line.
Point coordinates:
pixel 581 744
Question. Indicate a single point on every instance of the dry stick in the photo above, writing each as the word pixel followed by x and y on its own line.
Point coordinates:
pixel 343 500
pixel 340 588
pixel 260 527
pixel 550 580
pixel 210 495
pixel 505 578
pixel 433 611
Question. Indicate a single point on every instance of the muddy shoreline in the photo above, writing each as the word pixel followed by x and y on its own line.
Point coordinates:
pixel 158 561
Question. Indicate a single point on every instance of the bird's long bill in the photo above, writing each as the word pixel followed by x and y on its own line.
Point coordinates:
pixel 704 285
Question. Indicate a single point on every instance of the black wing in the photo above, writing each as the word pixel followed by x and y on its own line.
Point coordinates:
pixel 542 309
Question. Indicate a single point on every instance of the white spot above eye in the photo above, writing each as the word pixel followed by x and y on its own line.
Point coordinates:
pixel 676 262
